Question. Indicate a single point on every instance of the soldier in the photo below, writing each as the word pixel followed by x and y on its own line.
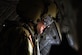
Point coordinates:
pixel 37 30
pixel 41 15
pixel 34 12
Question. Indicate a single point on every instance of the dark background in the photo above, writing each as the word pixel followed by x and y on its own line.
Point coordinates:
pixel 76 4
pixel 8 11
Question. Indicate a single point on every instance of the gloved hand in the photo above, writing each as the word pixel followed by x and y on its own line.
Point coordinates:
pixel 47 20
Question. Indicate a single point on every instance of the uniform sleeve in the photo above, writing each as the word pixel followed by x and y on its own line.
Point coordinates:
pixel 16 42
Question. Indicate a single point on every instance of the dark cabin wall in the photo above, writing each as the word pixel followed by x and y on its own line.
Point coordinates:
pixel 7 10
pixel 77 5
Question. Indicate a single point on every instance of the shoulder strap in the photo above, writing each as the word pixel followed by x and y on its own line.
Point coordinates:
pixel 29 29
pixel 26 26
